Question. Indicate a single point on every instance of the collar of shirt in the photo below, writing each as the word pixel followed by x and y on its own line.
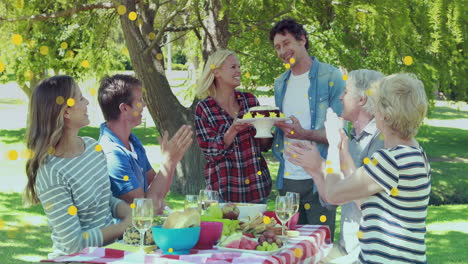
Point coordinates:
pixel 370 129
pixel 105 131
pixel 241 100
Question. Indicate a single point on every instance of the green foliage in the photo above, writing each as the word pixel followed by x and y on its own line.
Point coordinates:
pixel 179 67
pixel 179 57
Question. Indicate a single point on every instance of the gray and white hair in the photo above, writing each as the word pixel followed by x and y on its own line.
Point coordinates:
pixel 360 81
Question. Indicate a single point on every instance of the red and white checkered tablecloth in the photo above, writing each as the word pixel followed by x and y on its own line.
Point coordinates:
pixel 312 245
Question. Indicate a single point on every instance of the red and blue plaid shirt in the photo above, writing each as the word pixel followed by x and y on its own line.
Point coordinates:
pixel 238 172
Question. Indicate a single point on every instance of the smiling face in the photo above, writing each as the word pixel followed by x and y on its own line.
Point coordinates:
pixel 229 73
pixel 287 47
pixel 76 116
pixel 351 103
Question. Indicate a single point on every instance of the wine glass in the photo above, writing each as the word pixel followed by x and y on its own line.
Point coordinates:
pixel 208 198
pixel 142 216
pixel 283 210
pixel 295 203
pixel 191 201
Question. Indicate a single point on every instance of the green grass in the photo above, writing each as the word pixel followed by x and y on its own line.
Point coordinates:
pixel 443 142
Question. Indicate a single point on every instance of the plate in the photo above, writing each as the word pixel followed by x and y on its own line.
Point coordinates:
pixel 263 125
pixel 257 252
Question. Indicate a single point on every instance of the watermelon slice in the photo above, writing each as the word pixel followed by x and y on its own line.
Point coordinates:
pixel 232 241
pixel 248 243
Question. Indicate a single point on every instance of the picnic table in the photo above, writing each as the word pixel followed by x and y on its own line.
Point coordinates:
pixel 312 244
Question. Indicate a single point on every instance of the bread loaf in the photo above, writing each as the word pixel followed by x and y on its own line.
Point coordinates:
pixel 190 217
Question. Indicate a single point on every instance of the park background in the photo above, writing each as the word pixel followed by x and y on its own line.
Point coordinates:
pixel 165 43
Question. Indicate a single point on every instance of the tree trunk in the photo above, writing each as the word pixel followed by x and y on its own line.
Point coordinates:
pixel 216 30
pixel 165 109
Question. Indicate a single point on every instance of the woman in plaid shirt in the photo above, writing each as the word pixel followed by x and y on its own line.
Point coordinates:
pixel 235 165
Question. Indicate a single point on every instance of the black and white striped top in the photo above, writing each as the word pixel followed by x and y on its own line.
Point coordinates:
pixel 394 220
pixel 81 183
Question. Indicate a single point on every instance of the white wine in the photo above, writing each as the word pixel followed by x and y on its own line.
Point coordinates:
pixel 283 215
pixel 295 208
pixel 208 203
pixel 142 223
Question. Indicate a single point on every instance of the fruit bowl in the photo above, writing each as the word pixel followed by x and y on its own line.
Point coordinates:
pixel 176 241
pixel 210 232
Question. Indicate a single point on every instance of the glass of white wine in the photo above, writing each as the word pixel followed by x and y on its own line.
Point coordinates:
pixel 142 216
pixel 283 210
pixel 191 201
pixel 208 198
pixel 295 202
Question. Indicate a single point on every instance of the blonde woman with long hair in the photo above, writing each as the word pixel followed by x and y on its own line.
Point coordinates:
pixel 67 173
pixel 235 166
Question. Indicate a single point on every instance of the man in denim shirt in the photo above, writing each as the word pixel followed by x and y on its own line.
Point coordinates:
pixel 130 172
pixel 303 93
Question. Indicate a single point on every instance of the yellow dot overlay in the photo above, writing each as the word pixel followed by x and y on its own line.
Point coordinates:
pixel 276 145
pixel 159 56
pixel 307 206
pixel 27 154
pixel 331 83
pixel 139 105
pixel 60 100
pixel 289 143
pixel 151 36
pixel 51 151
pixel 394 191
pixel 70 102
pixel 408 60
pixel 85 64
pixel 382 137
pixel 92 92
pixel 369 92
pixel 125 178
pixel 2 66
pixel 375 162
pixel 287 65
pixel 2 224
pixel 136 113
pixel 298 252
pixel 140 22
pixel 28 75
pixel 257 41
pixel 345 77
pixel 132 205
pixel 247 74
pixel 366 160
pixel 247 181
pixel 328 162
pixel 323 218
pixel 98 148
pixel 125 51
pixel 294 156
pixel 64 45
pixel 287 174
pixel 266 220
pixel 292 60
pixel 72 210
pixel 85 235
pixel 13 155
pixel 44 50
pixel 329 170
pixel 121 10
pixel 259 172
pixel 360 234
pixel 292 132
pixel 170 250
pixel 70 54
pixel 132 16
pixel 17 39
pixel 212 66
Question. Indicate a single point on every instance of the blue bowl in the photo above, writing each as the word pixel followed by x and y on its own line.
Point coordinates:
pixel 176 241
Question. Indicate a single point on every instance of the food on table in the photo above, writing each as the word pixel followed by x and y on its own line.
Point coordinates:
pixel 256 224
pixel 239 241
pixel 230 211
pixel 214 211
pixel 269 241
pixel 131 236
pixel 190 217
pixel 263 111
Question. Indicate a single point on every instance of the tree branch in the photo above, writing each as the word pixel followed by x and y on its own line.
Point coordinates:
pixel 179 29
pixel 63 13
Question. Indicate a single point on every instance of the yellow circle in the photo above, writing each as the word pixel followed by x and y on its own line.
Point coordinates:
pixel 345 77
pixel 85 235
pixel 125 178
pixel 298 252
pixel 170 250
pixel 28 75
pixel 132 16
pixel 2 224
pixel 85 63
pixel 151 36
pixel 360 234
pixel 289 143
pixel 136 113
pixel 70 54
pixel 369 92
pixel 2 66
pixel 247 74
pixel 98 148
pixel 266 220
pixel 17 39
pixel 140 22
pixel 328 162
pixel 125 51
pixel 331 83
pixel 276 145
pixel 329 170
pixel 64 45
pixel 259 172
pixel 44 50
pixel 287 65
pixel 257 41
pixel 366 160
pixel 375 162
pixel 159 56
pixel 212 66
pixel 394 191
pixel 72 210
pixel 292 132
pixel 132 205
pixel 27 154
pixel 59 100
pixel 307 206
pixel 139 105
pixel 323 218
pixel 13 155
pixel 121 10
pixel 247 181
pixel 287 174
pixel 292 60
pixel 288 149
pixel 51 150
pixel 92 92
pixel 382 136
pixel 254 28
pixel 408 60
pixel 294 156
pixel 70 102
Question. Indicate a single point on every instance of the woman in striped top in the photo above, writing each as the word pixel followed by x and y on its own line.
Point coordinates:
pixel 393 186
pixel 67 174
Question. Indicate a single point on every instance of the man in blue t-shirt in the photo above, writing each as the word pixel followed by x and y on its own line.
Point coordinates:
pixel 130 172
